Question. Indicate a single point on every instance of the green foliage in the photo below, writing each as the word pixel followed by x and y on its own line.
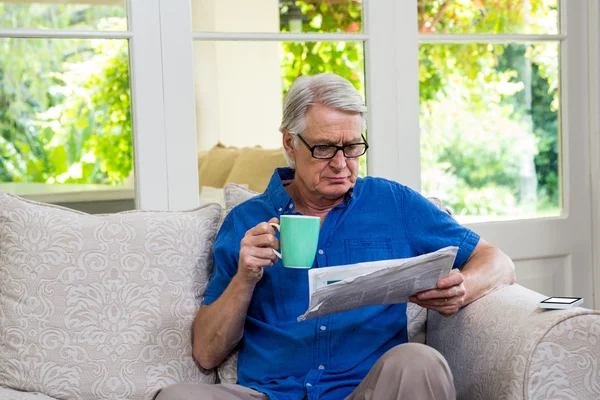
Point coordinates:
pixel 487 111
pixel 487 16
pixel 545 120
pixel 310 58
pixel 111 100
pixel 71 123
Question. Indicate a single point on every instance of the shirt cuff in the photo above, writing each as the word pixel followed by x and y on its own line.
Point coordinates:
pixel 466 248
pixel 208 300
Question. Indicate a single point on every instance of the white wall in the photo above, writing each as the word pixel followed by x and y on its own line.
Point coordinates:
pixel 237 84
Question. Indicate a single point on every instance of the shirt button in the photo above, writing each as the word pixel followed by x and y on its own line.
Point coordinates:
pixel 308 385
pixel 321 252
pixel 280 209
pixel 323 328
pixel 321 367
pixel 291 205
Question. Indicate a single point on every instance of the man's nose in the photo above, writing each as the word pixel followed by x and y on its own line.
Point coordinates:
pixel 338 161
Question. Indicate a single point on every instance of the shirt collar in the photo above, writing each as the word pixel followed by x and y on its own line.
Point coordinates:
pixel 281 199
pixel 276 191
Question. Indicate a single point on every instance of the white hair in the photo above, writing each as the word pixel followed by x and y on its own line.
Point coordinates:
pixel 330 90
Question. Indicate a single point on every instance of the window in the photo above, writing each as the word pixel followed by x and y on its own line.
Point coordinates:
pixel 185 62
pixel 247 74
pixel 490 107
pixel 65 119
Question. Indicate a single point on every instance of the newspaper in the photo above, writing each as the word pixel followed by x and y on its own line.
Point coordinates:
pixel 342 288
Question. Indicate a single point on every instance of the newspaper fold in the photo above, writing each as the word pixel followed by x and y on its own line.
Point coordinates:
pixel 347 287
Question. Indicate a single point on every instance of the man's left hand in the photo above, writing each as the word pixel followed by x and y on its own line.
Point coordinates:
pixel 447 298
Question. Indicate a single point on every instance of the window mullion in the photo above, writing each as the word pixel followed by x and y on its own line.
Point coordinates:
pixel 487 38
pixel 279 37
pixel 149 133
pixel 179 103
pixel 63 34
pixel 393 91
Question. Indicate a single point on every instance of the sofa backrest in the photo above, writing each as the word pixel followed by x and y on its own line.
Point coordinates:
pixel 251 166
pixel 100 306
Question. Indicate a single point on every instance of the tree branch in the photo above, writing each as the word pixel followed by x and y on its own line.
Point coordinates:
pixel 437 18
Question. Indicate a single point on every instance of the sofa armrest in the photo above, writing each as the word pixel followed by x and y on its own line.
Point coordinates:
pixel 504 346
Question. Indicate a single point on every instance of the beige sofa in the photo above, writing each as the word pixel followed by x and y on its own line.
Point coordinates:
pixel 499 347
pixel 250 166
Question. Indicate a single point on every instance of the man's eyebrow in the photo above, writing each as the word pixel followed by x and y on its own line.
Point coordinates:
pixel 329 142
pixel 325 142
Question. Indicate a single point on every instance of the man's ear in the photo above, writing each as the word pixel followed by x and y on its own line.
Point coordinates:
pixel 288 144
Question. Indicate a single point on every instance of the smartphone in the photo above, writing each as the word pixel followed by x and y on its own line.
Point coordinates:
pixel 561 303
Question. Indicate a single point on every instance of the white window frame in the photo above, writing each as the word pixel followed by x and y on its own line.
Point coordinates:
pixel 383 84
pixel 573 39
pixel 391 38
pixel 147 97
pixel 164 124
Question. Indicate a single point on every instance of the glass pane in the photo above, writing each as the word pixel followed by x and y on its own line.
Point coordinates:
pixel 242 107
pixel 488 16
pixel 109 15
pixel 490 129
pixel 65 116
pixel 277 16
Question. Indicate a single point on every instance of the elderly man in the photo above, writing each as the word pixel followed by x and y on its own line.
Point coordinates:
pixel 253 302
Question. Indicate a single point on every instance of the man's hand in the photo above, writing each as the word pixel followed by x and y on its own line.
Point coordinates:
pixel 256 251
pixel 447 299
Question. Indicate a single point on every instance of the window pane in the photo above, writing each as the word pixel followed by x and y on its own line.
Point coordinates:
pixel 277 16
pixel 109 15
pixel 488 16
pixel 490 129
pixel 242 107
pixel 65 114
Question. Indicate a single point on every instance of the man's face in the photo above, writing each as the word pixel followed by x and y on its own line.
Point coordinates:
pixel 327 126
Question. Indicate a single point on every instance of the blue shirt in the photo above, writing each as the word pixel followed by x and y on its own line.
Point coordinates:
pixel 327 358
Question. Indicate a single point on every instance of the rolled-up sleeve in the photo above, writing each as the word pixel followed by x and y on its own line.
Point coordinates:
pixel 225 254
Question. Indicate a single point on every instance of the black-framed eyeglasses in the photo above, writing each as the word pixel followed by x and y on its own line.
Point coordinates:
pixel 328 151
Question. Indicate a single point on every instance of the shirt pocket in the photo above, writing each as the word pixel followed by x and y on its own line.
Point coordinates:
pixel 371 249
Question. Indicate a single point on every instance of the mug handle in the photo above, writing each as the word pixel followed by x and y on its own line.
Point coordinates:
pixel 278 227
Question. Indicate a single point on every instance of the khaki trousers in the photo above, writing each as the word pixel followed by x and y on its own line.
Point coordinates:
pixel 408 371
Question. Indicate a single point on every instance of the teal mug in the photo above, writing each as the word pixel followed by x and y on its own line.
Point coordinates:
pixel 299 237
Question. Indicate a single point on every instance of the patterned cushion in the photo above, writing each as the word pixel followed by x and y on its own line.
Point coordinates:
pixel 236 194
pixel 417 316
pixel 100 306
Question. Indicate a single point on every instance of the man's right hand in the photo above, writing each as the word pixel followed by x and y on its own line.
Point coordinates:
pixel 256 251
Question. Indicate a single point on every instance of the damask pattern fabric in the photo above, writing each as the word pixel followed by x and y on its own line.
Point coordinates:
pixel 100 306
pixel 10 394
pixel 417 323
pixel 504 347
pixel 565 362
